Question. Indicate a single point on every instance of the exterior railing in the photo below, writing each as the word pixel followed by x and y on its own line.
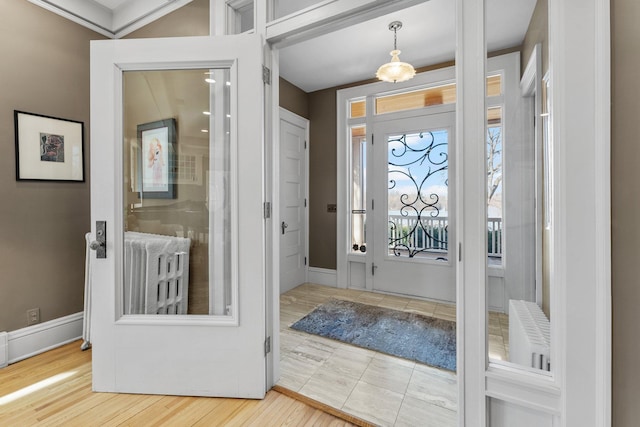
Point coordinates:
pixel 436 237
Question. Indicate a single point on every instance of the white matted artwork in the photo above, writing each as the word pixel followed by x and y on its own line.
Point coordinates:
pixel 48 148
pixel 157 159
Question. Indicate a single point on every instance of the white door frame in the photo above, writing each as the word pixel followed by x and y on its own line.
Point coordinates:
pixel 581 342
pixel 343 238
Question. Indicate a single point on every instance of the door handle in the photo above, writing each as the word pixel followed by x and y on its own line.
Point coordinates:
pixel 284 226
pixel 100 244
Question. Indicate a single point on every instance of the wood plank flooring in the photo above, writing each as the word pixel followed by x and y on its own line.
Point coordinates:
pixel 54 389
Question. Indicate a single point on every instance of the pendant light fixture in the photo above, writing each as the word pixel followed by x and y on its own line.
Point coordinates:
pixel 395 71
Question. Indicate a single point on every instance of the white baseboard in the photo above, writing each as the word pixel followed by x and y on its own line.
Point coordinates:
pixel 36 339
pixel 323 276
pixel 4 349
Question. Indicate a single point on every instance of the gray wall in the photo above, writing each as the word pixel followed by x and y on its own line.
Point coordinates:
pixel 45 70
pixel 190 20
pixel 42 224
pixel 294 99
pixel 625 175
pixel 322 178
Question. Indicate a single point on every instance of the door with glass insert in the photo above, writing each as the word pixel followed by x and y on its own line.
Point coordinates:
pixel 413 206
pixel 178 303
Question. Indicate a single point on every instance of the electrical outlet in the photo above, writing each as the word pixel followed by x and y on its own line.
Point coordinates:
pixel 33 316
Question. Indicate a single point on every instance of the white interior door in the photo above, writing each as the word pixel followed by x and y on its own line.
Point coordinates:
pixel 177 175
pixel 293 258
pixel 413 206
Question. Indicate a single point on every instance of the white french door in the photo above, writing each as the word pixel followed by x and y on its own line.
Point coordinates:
pixel 177 176
pixel 413 206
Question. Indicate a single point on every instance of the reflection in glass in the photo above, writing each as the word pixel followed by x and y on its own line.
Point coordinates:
pixel 358 189
pixel 286 7
pixel 176 192
pixel 240 16
pixel 518 327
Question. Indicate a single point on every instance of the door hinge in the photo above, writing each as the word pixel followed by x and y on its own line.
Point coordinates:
pixel 266 206
pixel 266 75
pixel 460 251
pixel 305 260
pixel 371 139
pixel 305 145
pixel 372 203
pixel 305 203
pixel 373 269
pixel 267 346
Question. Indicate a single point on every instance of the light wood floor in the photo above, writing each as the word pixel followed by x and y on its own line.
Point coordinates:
pixel 54 389
pixel 384 390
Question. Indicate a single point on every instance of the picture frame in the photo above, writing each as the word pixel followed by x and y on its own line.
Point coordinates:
pixel 157 159
pixel 48 148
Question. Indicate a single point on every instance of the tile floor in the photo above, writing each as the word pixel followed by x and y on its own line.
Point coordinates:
pixel 384 390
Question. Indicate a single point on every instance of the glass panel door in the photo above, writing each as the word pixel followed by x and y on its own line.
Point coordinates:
pixel 176 160
pixel 413 203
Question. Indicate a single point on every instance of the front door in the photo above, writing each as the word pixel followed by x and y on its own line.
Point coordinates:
pixel 177 175
pixel 413 206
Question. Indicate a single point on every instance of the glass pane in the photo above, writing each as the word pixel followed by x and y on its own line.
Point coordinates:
pixel 494 186
pixel 418 174
pixel 357 109
pixel 494 85
pixel 240 16
pixel 287 7
pixel 518 328
pixel 176 188
pixel 440 95
pixel 358 189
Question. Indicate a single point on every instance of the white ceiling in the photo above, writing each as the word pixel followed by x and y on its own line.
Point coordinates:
pixel 345 56
pixel 112 18
pixel 427 37
pixel 111 4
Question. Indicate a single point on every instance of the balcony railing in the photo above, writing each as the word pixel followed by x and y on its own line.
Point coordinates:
pixel 436 237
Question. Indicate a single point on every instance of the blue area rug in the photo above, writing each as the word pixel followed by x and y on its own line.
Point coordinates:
pixel 411 336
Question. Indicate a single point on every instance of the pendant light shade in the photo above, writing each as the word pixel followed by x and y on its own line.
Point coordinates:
pixel 396 70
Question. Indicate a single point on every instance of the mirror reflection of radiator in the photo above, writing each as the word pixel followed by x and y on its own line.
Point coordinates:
pixel 529 335
pixel 156 274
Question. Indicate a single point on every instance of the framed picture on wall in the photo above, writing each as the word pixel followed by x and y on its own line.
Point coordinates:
pixel 48 148
pixel 157 142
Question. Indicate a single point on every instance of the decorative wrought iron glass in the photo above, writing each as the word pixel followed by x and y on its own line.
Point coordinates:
pixel 417 197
